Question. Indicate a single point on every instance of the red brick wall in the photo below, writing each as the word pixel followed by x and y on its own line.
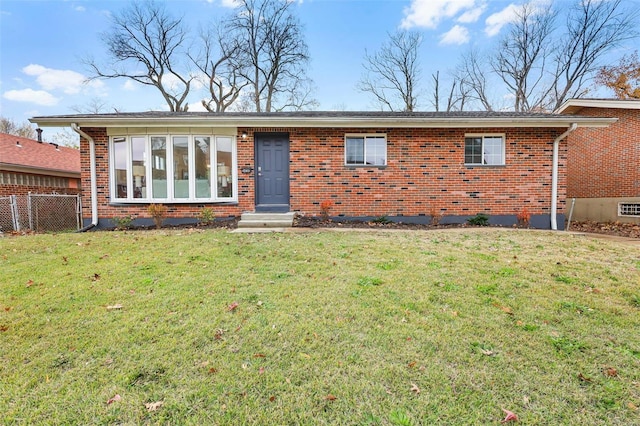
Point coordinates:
pixel 605 162
pixel 425 174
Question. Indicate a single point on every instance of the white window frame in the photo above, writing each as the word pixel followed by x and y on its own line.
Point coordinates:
pixel 170 199
pixel 483 136
pixel 365 136
pixel 629 209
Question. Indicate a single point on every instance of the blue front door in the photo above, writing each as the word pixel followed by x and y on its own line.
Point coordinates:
pixel 272 172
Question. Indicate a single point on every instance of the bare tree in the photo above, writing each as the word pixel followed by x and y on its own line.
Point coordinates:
pixel 273 53
pixel 146 44
pixel 593 29
pixel 522 55
pixel 456 96
pixel 93 106
pixel 219 64
pixel 23 130
pixel 472 76
pixel 541 70
pixel 393 73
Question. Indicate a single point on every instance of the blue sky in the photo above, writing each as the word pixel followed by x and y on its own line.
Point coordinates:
pixel 42 43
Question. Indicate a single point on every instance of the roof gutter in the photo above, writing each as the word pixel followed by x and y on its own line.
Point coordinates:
pixel 554 176
pixel 94 180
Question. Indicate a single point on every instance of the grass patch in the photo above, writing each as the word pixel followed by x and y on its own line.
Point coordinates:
pixel 386 328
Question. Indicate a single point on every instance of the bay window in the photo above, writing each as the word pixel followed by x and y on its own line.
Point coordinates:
pixel 173 168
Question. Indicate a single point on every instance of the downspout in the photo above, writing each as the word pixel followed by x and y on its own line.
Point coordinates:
pixel 94 180
pixel 554 176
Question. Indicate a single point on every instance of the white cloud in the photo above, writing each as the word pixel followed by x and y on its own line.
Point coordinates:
pixel 70 82
pixel 498 20
pixel 456 35
pixel 129 85
pixel 429 13
pixel 79 9
pixel 38 97
pixel 229 3
pixel 472 15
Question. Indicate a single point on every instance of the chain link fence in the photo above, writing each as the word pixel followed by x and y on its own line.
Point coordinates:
pixel 40 213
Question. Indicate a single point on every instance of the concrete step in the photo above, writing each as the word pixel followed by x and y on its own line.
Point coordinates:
pixel 266 220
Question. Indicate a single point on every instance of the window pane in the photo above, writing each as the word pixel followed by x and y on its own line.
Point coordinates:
pixel 181 167
pixel 376 151
pixel 120 166
pixel 224 154
pixel 159 166
pixel 355 150
pixel 138 157
pixel 473 150
pixel 203 166
pixel 493 150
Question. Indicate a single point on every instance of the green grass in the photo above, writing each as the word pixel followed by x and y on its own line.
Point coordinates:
pixel 353 328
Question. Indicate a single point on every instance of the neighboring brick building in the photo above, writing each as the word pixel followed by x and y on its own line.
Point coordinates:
pixel 404 166
pixel 27 165
pixel 603 171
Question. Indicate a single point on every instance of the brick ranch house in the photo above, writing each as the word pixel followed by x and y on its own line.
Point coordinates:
pixel 28 165
pixel 408 167
pixel 603 170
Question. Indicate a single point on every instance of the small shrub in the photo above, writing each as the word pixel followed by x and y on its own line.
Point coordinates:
pixel 325 207
pixel 123 222
pixel 206 215
pixel 383 220
pixel 523 217
pixel 158 212
pixel 480 219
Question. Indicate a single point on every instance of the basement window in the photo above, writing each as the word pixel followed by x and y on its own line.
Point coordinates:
pixel 628 209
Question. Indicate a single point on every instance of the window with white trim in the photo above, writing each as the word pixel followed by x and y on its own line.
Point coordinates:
pixel 485 150
pixel 173 168
pixel 365 150
pixel 628 209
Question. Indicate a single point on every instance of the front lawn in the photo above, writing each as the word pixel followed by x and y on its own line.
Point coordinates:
pixel 366 328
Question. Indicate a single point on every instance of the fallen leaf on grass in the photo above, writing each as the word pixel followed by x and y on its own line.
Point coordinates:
pixel 330 397
pixel 259 355
pixel 232 306
pixel 115 398
pixel 411 364
pixel 7 308
pixel 29 283
pixel 114 307
pixel 488 352
pixel 272 398
pixel 610 372
pixel 261 370
pixel 632 406
pixel 415 388
pixel 510 416
pixel 584 378
pixel 506 310
pixel 153 406
pixel 213 370
pixel 4 328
